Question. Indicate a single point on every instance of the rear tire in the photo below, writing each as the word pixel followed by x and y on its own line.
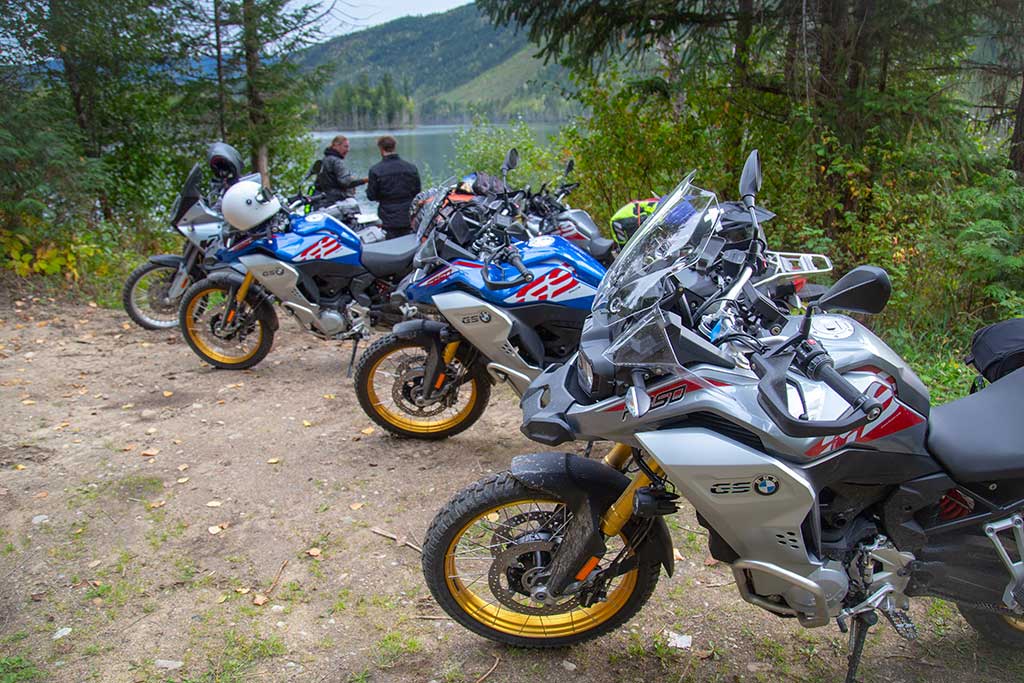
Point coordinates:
pixel 198 318
pixel 146 299
pixel 385 401
pixel 998 629
pixel 481 504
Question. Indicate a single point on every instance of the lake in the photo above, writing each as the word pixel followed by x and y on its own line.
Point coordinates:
pixel 431 148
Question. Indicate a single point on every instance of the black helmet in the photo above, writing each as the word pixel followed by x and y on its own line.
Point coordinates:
pixel 225 161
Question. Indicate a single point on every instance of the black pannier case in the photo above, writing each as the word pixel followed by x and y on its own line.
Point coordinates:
pixel 998 350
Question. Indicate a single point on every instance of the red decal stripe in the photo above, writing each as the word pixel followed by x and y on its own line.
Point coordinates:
pixel 563 289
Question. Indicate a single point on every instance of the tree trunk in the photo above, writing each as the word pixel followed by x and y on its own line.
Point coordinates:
pixel 221 98
pixel 254 99
pixel 1017 138
pixel 793 17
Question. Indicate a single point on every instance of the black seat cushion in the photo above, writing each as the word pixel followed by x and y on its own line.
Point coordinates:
pixel 390 256
pixel 981 437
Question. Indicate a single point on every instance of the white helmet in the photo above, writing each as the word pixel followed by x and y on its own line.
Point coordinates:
pixel 246 205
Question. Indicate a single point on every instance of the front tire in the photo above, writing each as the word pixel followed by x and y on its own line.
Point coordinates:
pixel 998 629
pixel 474 571
pixel 388 377
pixel 147 298
pixel 201 315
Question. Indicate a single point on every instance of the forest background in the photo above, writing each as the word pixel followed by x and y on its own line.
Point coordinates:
pixel 891 132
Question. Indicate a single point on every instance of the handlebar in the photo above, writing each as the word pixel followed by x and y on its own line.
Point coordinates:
pixel 512 256
pixel 817 365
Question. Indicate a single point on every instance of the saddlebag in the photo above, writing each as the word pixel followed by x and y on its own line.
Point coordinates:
pixel 998 350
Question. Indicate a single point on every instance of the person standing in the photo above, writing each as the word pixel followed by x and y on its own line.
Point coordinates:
pixel 393 182
pixel 335 180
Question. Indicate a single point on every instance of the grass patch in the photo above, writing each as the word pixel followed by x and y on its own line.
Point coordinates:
pixel 17 669
pixel 393 646
pixel 239 654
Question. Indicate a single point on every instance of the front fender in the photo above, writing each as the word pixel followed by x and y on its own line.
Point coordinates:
pixel 169 260
pixel 258 296
pixel 411 329
pixel 589 487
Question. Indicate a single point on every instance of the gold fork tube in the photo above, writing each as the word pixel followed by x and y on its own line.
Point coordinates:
pixel 622 509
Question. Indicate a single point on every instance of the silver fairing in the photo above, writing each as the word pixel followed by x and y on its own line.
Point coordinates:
pixel 200 224
pixel 488 328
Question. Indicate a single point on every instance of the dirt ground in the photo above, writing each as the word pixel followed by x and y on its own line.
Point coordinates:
pixel 121 454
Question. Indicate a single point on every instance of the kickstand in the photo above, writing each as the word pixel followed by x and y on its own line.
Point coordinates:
pixel 860 625
pixel 352 358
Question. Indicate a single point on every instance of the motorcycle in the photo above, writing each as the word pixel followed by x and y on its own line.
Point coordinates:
pixel 153 290
pixel 508 304
pixel 316 267
pixel 807 447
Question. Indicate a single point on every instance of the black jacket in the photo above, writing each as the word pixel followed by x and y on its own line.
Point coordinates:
pixel 334 179
pixel 393 183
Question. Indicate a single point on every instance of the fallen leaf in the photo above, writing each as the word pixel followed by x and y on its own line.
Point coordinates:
pixel 157 504
pixel 313 552
pixel 220 402
pixel 367 431
pixel 151 431
pixel 214 530
pixel 213 504
pixel 182 468
pixel 150 452
pixel 28 402
pixel 127 406
pixel 95 563
pixel 243 591
pixel 223 597
pixel 176 442
pixel 182 480
pixel 356 506
pixel 273 461
pixel 704 654
pixel 330 397
pixel 36 597
pixel 305 423
pixel 168 394
pixel 128 447
pixel 93 304
pixel 19 467
pixel 259 599
pixel 41 495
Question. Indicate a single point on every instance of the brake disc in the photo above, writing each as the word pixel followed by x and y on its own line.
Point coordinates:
pixel 514 566
pixel 500 541
pixel 408 387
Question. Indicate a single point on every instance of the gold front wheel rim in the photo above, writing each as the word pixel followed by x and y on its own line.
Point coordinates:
pixel 408 423
pixel 193 328
pixel 506 620
pixel 1015 622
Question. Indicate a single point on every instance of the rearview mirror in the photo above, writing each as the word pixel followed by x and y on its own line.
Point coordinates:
pixel 511 160
pixel 865 289
pixel 750 179
pixel 569 166
pixel 638 402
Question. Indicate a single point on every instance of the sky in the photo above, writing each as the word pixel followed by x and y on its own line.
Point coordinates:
pixel 354 15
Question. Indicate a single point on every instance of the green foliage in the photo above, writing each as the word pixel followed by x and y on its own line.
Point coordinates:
pixel 18 669
pixel 362 105
pixel 483 147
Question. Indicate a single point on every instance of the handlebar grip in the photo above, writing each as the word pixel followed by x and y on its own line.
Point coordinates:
pixel 517 262
pixel 826 373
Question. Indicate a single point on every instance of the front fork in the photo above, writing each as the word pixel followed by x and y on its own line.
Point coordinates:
pixel 439 358
pixel 235 300
pixel 183 276
pixel 616 516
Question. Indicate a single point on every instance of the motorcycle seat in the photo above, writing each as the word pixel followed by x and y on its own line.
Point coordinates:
pixel 390 257
pixel 980 437
pixel 600 247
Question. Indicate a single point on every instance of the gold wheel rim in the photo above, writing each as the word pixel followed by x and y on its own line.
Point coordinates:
pixel 492 614
pixel 194 329
pixel 1015 622
pixel 404 420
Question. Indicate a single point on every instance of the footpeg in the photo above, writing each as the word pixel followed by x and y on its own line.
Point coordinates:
pixel 901 623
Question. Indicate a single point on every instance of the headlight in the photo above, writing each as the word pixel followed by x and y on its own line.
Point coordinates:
pixel 586 372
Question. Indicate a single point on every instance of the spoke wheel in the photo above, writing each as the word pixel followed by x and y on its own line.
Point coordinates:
pixel 999 629
pixel 241 343
pixel 147 296
pixel 491 544
pixel 389 381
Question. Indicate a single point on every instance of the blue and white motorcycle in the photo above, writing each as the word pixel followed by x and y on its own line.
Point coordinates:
pixel 497 305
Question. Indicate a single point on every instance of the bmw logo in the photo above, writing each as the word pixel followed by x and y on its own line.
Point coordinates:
pixel 766 485
pixel 485 317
